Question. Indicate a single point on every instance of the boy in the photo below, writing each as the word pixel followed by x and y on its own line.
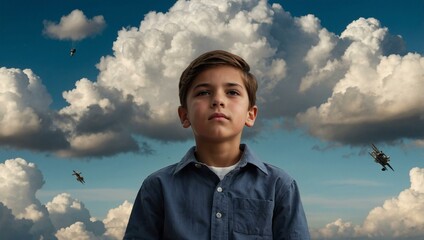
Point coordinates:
pixel 219 190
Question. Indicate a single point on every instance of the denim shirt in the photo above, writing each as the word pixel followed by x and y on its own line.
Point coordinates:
pixel 188 201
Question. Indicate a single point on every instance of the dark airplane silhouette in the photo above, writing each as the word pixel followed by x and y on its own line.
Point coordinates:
pixel 73 51
pixel 78 176
pixel 380 157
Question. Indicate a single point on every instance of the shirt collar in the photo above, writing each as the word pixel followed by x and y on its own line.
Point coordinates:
pixel 247 158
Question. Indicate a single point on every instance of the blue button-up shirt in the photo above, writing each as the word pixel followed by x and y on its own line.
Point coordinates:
pixel 188 201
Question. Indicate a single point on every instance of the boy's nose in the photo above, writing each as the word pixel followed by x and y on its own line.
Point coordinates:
pixel 217 102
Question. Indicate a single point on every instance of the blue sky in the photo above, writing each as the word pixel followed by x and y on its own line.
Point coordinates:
pixel 334 76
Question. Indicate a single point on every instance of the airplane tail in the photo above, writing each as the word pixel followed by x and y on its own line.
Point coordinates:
pixel 390 166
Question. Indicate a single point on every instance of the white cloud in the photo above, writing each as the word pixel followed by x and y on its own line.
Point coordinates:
pixel 97 121
pixel 24 112
pixel 19 181
pixel 148 60
pixel 23 99
pixel 84 128
pixel 22 216
pixel 65 211
pixel 12 228
pixel 74 26
pixel 70 219
pixel 75 231
pixel 335 230
pixel 117 219
pixel 397 218
pixel 376 93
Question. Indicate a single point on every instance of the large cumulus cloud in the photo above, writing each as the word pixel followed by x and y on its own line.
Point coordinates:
pixel 22 216
pixel 98 120
pixel 377 93
pixel 25 114
pixel 12 228
pixel 117 219
pixel 148 60
pixel 351 89
pixel 19 181
pixel 65 211
pixel 398 218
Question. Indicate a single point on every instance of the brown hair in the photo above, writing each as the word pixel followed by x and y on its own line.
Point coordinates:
pixel 213 59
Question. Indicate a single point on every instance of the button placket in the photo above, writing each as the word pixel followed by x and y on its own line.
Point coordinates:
pixel 220 210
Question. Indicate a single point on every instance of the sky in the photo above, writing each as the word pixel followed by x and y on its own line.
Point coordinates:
pixel 334 77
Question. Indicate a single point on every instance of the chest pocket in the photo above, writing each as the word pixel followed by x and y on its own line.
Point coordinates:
pixel 253 216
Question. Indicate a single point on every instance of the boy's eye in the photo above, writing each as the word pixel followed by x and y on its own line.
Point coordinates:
pixel 202 93
pixel 233 92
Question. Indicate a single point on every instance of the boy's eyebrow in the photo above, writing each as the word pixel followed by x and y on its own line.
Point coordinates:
pixel 229 84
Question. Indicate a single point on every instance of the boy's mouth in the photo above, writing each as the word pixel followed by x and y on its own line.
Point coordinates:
pixel 217 115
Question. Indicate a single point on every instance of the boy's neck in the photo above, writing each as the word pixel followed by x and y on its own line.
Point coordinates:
pixel 218 154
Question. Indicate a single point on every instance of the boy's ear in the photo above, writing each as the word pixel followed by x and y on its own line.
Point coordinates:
pixel 251 116
pixel 183 114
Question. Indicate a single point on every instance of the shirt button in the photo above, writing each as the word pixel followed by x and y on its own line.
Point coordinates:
pixel 198 165
pixel 219 189
pixel 218 215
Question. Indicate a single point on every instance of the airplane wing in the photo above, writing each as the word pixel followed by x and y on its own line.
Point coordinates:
pixel 373 154
pixel 375 148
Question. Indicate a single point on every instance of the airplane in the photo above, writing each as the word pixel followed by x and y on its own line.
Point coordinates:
pixel 73 51
pixel 381 158
pixel 78 176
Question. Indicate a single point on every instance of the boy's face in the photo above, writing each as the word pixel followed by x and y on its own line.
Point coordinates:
pixel 217 105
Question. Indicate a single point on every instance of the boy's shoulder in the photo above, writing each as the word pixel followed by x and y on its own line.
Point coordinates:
pixel 170 170
pixel 277 172
pixel 267 168
pixel 164 171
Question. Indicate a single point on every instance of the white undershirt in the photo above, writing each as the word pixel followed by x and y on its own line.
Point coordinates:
pixel 222 171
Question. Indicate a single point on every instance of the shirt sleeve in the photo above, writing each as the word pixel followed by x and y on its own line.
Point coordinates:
pixel 146 219
pixel 289 222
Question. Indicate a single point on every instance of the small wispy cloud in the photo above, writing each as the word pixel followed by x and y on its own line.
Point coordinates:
pixel 92 194
pixel 354 182
pixel 75 26
pixel 419 143
pixel 332 202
